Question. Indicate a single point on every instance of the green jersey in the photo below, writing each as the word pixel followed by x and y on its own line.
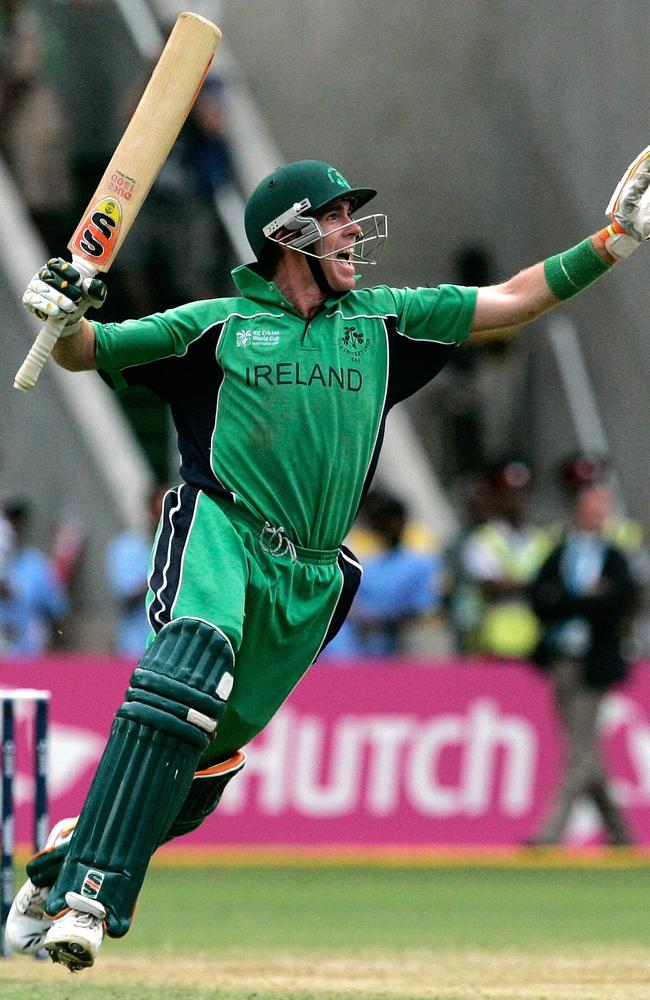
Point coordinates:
pixel 281 414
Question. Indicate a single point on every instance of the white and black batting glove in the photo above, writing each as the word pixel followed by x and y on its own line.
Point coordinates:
pixel 629 209
pixel 58 290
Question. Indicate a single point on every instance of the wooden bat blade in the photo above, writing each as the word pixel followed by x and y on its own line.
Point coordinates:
pixel 147 141
pixel 161 112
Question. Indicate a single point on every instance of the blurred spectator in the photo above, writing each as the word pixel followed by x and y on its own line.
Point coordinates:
pixel 474 405
pixel 462 592
pixel 178 250
pixel 585 469
pixel 367 542
pixel 127 569
pixel 34 137
pixel 68 549
pixel 585 596
pixel 501 557
pixel 400 585
pixel 34 601
pixel 486 371
pixel 6 545
pixel 90 79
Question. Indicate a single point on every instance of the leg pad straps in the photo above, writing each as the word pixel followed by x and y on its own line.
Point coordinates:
pixel 204 795
pixel 202 799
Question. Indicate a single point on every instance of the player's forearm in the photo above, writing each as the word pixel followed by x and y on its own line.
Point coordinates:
pixel 537 289
pixel 76 353
pixel 515 302
pixel 533 291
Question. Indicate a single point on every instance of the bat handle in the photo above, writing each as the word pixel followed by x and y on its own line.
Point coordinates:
pixel 28 373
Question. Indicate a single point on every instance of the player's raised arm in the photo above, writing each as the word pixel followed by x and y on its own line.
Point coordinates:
pixel 58 291
pixel 538 288
pixel 161 112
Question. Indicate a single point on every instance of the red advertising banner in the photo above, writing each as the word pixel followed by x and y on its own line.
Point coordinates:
pixel 378 754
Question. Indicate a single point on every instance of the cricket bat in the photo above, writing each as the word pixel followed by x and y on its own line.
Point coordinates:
pixel 134 166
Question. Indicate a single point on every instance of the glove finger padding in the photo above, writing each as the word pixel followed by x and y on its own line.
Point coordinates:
pixel 629 208
pixel 66 277
pixel 63 277
pixel 59 290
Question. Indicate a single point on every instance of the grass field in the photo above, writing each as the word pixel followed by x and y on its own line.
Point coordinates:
pixel 544 931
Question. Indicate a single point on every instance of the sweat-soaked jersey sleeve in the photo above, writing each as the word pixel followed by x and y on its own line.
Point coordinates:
pixel 138 351
pixel 428 325
pixel 442 314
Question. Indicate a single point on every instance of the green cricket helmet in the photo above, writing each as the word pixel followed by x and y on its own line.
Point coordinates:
pixel 289 198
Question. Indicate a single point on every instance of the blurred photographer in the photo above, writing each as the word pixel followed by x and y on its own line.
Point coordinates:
pixel 585 596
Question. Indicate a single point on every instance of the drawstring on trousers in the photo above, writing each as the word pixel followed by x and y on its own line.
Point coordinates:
pixel 276 543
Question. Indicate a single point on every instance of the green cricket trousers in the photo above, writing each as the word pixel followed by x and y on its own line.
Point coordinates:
pixel 277 604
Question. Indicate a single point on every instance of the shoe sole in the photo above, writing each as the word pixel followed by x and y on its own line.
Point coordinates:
pixel 73 954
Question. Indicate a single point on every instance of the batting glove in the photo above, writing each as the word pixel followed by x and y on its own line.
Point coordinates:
pixel 59 290
pixel 629 209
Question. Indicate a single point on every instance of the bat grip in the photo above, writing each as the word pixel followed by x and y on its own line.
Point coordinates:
pixel 28 373
pixel 39 352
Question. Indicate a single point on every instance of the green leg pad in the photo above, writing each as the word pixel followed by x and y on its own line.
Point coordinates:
pixel 188 665
pixel 202 799
pixel 204 795
pixel 147 769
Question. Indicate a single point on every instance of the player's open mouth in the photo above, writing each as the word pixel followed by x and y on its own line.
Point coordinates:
pixel 344 257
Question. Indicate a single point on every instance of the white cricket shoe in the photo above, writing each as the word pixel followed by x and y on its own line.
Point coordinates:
pixel 27 923
pixel 75 938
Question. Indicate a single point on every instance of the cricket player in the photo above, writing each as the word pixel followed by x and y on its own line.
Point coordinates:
pixel 280 397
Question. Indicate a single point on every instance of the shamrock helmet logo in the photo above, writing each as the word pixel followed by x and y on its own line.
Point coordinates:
pixel 337 178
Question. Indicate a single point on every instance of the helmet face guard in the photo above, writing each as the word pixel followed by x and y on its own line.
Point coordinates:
pixel 298 231
pixel 284 207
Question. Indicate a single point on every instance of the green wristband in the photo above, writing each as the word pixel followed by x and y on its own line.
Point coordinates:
pixel 571 271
